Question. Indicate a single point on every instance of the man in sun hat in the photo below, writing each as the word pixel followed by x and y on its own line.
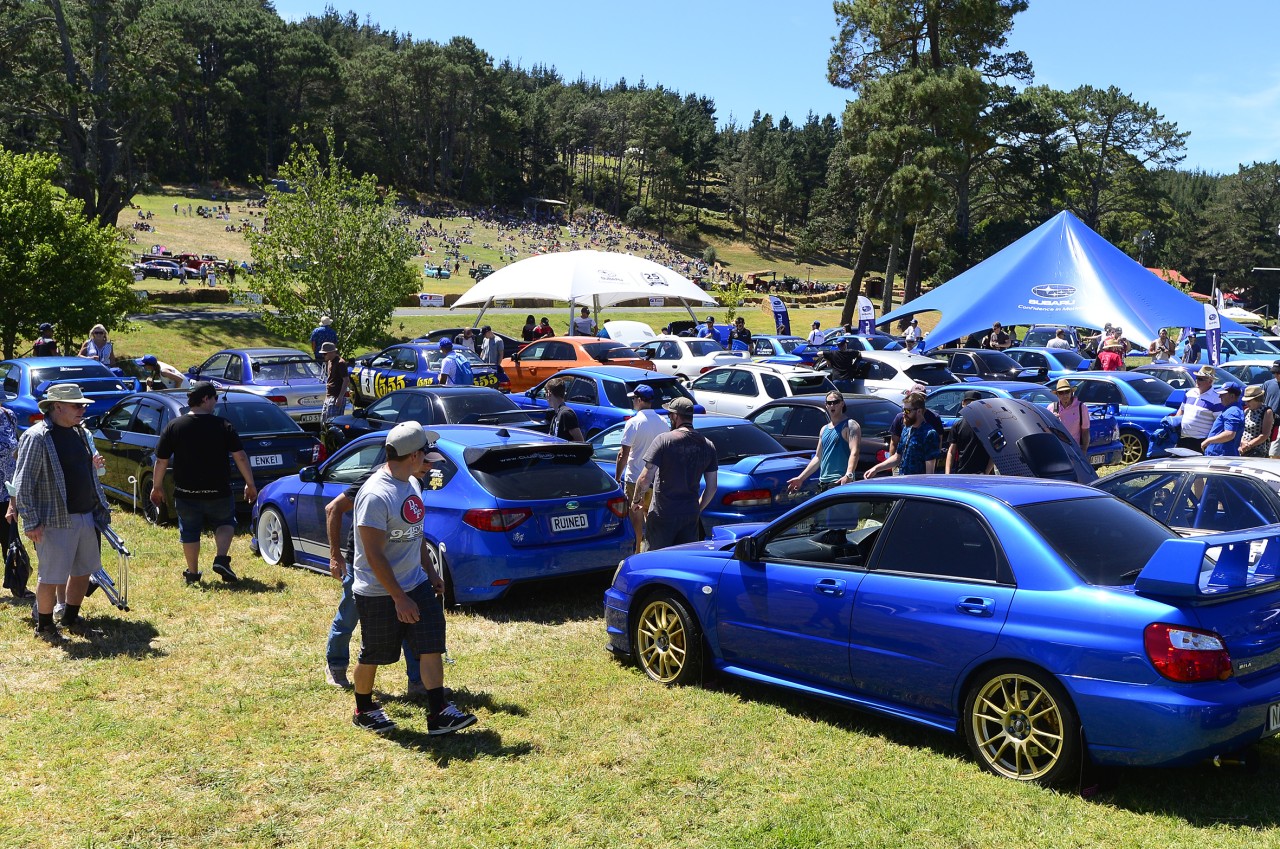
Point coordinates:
pixel 637 435
pixel 324 332
pixel 62 505
pixel 1199 410
pixel 1073 414
pixel 675 464
pixel 1224 436
pixel 337 379
pixel 396 586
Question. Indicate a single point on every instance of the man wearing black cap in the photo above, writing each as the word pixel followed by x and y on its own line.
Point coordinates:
pixel 198 445
pixel 708 329
pixel 674 466
pixel 966 455
pixel 1271 390
pixel 637 435
pixel 45 346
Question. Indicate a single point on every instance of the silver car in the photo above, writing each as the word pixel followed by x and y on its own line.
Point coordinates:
pixel 287 376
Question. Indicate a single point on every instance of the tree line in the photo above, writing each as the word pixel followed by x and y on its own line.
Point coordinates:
pixel 946 152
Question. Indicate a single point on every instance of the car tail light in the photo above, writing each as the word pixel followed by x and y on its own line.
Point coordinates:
pixel 318 453
pixel 490 519
pixel 618 507
pixel 1186 654
pixel 33 418
pixel 706 369
pixel 278 399
pixel 748 498
pixel 882 455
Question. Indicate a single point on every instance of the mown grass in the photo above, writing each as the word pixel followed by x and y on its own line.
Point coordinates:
pixel 201 719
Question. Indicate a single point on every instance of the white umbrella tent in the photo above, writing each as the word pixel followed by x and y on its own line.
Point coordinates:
pixel 598 278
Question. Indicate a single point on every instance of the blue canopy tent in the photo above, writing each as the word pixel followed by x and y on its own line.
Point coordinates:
pixel 1060 273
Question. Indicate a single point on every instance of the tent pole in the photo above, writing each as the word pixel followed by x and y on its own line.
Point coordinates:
pixel 595 302
pixel 483 309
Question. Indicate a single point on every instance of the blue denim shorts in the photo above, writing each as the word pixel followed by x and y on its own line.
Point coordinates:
pixel 196 514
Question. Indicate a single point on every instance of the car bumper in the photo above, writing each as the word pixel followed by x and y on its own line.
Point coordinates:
pixel 1171 725
pixel 486 575
pixel 1105 455
pixel 616 605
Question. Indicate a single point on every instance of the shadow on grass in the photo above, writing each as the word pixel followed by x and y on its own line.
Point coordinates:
pixel 115 638
pixel 464 699
pixel 245 585
pixel 554 602
pixel 465 745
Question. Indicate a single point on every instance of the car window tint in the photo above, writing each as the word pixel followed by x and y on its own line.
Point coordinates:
pixel 740 383
pixel 1106 541
pixel 773 421
pixel 1153 391
pixel 121 417
pixel 458 407
pixel 560 351
pixel 944 403
pixel 405 359
pixel 388 408
pixel 1030 359
pixel 1069 359
pixel 959 545
pixel 663 390
pixel 1223 503
pixel 733 442
pixel 962 364
pixel 669 351
pixel 148 420
pixel 761 347
pixel 874 417
pixel 1034 395
pixel 703 347
pixel 773 386
pixel 439 475
pixel 416 408
pixel 251 418
pixel 840 533
pixel 541 474
pixel 235 368
pixel 712 381
pixel 1151 492
pixel 582 391
pixel 808 421
pixel 931 374
pixel 215 366
pixel 1098 392
pixel 287 367
pixel 9 374
pixel 606 445
pixel 810 384
pixel 879 371
pixel 351 466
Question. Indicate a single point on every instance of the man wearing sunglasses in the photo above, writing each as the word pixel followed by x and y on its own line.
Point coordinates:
pixel 1199 410
pixel 919 447
pixel 836 459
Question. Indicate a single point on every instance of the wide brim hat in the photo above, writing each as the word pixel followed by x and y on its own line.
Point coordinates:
pixel 1254 391
pixel 1062 385
pixel 62 393
pixel 1206 371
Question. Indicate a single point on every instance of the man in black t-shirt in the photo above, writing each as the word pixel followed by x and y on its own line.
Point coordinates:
pixel 967 455
pixel 198 444
pixel 564 421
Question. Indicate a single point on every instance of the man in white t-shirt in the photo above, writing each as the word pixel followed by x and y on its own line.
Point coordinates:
pixel 816 336
pixel 583 325
pixel 640 430
pixel 1199 410
pixel 1059 340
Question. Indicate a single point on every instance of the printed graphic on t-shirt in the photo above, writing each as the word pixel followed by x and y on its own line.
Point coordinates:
pixel 412 510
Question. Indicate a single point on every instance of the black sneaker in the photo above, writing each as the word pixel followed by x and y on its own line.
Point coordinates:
pixel 372 720
pixel 192 577
pixel 222 566
pixel 52 636
pixel 449 720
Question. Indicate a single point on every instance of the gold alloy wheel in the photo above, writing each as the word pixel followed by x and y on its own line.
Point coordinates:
pixel 1134 450
pixel 1017 727
pixel 662 641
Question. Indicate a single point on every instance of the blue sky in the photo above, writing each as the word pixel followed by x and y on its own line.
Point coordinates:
pixel 1211 67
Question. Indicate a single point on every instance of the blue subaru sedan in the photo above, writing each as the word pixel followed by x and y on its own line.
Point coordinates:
pixel 1139 402
pixel 410 364
pixel 504 507
pixel 751 481
pixel 1052 625
pixel 26 380
pixel 601 395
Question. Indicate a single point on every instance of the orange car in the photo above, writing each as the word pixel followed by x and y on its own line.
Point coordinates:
pixel 541 359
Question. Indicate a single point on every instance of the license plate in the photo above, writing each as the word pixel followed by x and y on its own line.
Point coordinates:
pixel 569 522
pixel 260 460
pixel 309 417
pixel 1096 459
pixel 1273 718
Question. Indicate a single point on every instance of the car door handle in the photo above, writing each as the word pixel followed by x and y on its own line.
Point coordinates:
pixel 830 586
pixel 976 606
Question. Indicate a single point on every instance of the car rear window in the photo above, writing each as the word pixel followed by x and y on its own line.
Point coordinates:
pixel 1104 540
pixel 251 419
pixel 602 350
pixel 931 374
pixel 286 367
pixel 704 347
pixel 76 372
pixel 458 407
pixel 1069 359
pixel 810 384
pixel 539 471
pixel 998 361
pixel 733 442
pixel 1152 389
pixel 874 417
pixel 1034 395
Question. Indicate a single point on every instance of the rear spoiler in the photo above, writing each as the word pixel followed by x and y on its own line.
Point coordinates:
pixel 1213 567
pixel 126 384
pixel 503 457
pixel 771 463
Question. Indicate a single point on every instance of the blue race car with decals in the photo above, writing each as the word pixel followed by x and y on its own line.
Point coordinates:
pixel 409 364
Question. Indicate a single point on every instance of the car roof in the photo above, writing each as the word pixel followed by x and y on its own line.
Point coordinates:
pixel 773 368
pixel 1249 466
pixel 1013 491
pixel 624 373
pixel 484 436
pixel 1121 376
pixel 899 358
pixel 998 385
pixel 33 362
pixel 819 399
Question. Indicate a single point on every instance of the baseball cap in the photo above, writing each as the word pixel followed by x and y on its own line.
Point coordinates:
pixel 407 437
pixel 681 406
pixel 328 348
pixel 711 318
pixel 485 329
pixel 446 344
pixel 149 360
pixel 971 395
pixel 817 324
pixel 1275 366
pixel 1231 386
pixel 644 392
pixel 46 327
pixel 200 391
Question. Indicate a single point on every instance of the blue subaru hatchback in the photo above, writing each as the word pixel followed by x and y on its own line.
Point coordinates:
pixel 504 507
pixel 27 379
pixel 601 395
pixel 1048 623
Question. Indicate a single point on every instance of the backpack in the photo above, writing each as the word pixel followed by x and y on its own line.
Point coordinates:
pixel 463 374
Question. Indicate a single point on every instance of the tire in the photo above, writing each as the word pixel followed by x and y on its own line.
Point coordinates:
pixel 274 544
pixel 155 515
pixel 667 641
pixel 450 600
pixel 1020 724
pixel 1135 447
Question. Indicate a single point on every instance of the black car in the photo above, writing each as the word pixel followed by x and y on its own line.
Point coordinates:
pixel 432 405
pixel 987 365
pixel 161 268
pixel 126 437
pixel 796 421
pixel 509 345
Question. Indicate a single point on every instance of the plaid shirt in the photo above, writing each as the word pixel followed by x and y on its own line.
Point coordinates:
pixel 918 444
pixel 42 490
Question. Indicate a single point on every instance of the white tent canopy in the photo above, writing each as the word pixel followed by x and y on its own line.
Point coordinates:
pixel 584 277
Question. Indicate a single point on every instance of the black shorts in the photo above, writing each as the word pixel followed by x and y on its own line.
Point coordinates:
pixel 382 633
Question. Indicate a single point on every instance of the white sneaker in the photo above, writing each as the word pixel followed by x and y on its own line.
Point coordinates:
pixel 336 676
pixel 58 609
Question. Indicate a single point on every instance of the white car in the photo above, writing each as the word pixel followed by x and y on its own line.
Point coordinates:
pixel 688 358
pixel 629 333
pixel 1249 370
pixel 739 389
pixel 892 374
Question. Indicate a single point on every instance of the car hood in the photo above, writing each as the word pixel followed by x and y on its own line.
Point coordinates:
pixel 1026 440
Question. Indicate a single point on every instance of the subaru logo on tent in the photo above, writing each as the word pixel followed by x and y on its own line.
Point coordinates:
pixel 1053 291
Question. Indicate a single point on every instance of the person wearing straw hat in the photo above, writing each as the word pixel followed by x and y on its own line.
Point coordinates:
pixel 1073 414
pixel 1199 410
pixel 1258 420
pixel 62 505
pixel 337 379
pixel 1228 428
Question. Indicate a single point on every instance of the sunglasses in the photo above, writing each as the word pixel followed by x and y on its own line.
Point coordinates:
pixel 831 403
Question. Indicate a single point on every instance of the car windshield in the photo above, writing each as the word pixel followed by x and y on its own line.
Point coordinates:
pixel 75 372
pixel 540 472
pixel 1034 395
pixel 1069 359
pixel 704 347
pixel 1104 540
pixel 810 384
pixel 457 407
pixel 733 442
pixel 1152 389
pixel 931 374
pixel 286 367
pixel 1254 345
pixel 998 361
pixel 1038 338
pixel 874 417
pixel 606 350
pixel 253 419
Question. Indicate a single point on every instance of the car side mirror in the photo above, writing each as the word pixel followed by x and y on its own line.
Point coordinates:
pixel 92 422
pixel 515 358
pixel 309 474
pixel 361 413
pixel 194 371
pixel 746 551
